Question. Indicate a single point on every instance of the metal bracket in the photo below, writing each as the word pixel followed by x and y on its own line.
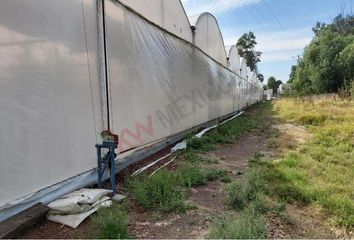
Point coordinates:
pixel 106 161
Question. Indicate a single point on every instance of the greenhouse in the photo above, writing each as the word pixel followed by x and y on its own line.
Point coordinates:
pixel 71 69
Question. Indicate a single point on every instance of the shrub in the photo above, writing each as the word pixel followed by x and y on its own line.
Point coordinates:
pixel 212 174
pixel 203 144
pixel 193 157
pixel 241 193
pixel 190 176
pixel 111 222
pixel 158 191
pixel 226 179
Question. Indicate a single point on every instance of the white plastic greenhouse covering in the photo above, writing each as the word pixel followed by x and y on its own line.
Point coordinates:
pixel 208 37
pixel 234 60
pixel 168 14
pixel 243 69
pixel 53 96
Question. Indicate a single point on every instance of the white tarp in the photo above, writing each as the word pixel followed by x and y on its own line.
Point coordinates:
pixel 73 208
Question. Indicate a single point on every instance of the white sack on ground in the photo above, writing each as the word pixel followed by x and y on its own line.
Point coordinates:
pixel 78 201
pixel 75 207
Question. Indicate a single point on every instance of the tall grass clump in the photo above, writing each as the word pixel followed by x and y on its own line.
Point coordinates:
pixel 190 176
pixel 111 223
pixel 250 188
pixel 158 191
pixel 248 225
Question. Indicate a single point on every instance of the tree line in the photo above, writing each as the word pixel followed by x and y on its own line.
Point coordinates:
pixel 327 65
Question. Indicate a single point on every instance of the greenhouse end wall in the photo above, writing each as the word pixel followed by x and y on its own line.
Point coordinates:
pixel 52 90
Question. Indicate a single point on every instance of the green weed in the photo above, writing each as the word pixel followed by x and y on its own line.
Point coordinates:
pixel 111 223
pixel 241 193
pixel 158 191
pixel 190 176
pixel 248 225
pixel 212 174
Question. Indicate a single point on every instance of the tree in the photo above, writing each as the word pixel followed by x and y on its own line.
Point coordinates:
pixel 274 84
pixel 327 63
pixel 346 59
pixel 246 49
pixel 292 74
pixel 318 27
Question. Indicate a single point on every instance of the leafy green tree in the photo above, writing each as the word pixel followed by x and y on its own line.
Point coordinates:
pixel 342 25
pixel 246 48
pixel 292 74
pixel 346 61
pixel 326 65
pixel 274 84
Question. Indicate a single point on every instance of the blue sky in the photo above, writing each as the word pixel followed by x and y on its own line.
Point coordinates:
pixel 282 27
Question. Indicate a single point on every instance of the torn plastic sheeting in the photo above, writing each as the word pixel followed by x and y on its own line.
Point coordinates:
pixel 75 207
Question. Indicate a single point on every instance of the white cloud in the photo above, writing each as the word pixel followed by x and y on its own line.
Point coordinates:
pixel 270 45
pixel 283 45
pixel 277 56
pixel 194 7
pixel 284 40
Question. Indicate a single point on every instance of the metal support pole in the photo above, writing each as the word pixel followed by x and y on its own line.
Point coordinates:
pixel 107 160
pixel 113 171
pixel 99 166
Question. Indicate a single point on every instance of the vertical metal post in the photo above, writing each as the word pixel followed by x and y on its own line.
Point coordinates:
pixel 113 171
pixel 99 166
pixel 106 62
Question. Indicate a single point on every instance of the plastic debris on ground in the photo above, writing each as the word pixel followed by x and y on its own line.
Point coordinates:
pixel 72 209
pixel 179 146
